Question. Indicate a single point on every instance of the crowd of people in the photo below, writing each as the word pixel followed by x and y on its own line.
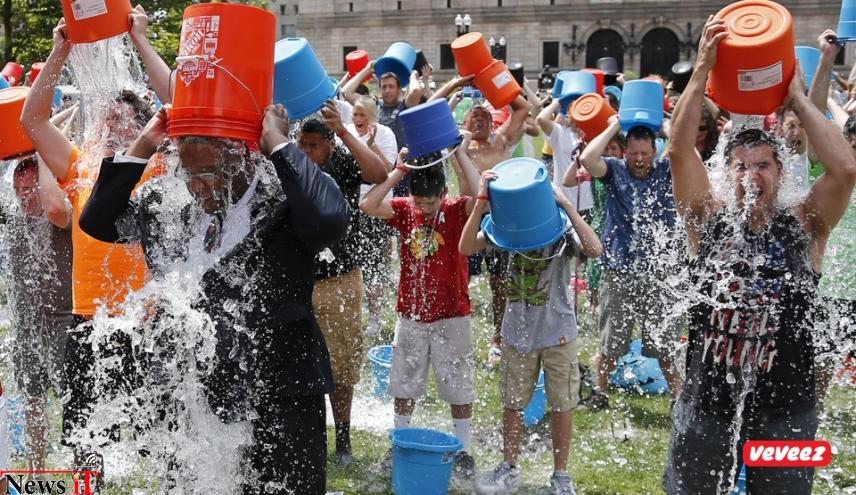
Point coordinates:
pixel 738 237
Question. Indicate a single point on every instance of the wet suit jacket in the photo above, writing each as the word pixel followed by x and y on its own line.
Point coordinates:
pixel 269 274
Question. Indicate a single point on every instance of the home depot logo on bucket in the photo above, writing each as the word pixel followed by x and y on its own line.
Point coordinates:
pixel 70 481
pixel 199 32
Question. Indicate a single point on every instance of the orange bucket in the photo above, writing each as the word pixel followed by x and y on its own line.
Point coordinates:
pixel 224 77
pixel 92 20
pixel 356 61
pixel 591 113
pixel 755 62
pixel 13 140
pixel 471 53
pixel 497 84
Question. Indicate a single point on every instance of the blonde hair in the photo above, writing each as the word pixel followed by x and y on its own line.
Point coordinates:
pixel 369 106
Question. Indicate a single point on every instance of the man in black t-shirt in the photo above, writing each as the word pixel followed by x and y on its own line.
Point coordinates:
pixel 337 296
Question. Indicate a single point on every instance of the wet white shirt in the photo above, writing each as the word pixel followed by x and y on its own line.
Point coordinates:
pixel 385 141
pixel 563 140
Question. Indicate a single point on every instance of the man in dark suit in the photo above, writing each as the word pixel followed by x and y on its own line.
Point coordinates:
pixel 255 241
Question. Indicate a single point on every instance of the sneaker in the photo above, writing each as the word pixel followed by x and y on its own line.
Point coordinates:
pixel 562 484
pixel 343 459
pixel 465 466
pixel 386 463
pixel 503 479
pixel 597 401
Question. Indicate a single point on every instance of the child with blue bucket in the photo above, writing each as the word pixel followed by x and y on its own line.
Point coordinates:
pixel 433 305
pixel 539 328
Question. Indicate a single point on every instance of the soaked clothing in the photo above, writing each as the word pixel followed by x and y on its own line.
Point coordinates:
pixel 640 217
pixel 750 335
pixel 344 256
pixel 433 282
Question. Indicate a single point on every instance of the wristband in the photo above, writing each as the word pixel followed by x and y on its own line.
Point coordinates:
pixel 342 133
pixel 402 169
pixel 482 197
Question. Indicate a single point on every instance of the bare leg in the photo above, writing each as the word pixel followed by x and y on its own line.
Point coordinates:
pixel 822 375
pixel 512 430
pixel 671 376
pixel 605 366
pixel 561 427
pixel 464 411
pixel 497 289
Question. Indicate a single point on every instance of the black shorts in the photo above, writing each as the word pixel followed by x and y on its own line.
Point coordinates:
pixel 496 260
pixel 700 457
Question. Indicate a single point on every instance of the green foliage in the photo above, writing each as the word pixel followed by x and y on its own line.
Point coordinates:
pixel 30 24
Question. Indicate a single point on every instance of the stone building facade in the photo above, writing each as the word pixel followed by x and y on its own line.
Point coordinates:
pixel 645 36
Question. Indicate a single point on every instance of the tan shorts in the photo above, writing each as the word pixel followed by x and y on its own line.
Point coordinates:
pixel 447 345
pixel 519 372
pixel 337 302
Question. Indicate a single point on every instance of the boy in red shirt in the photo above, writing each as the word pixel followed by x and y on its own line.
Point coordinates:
pixel 433 299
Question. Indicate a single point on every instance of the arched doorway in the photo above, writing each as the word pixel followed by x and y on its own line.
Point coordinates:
pixel 660 50
pixel 605 43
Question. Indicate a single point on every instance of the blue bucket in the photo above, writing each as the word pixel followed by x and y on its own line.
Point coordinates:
pixel 809 57
pixel 3 83
pixel 641 105
pixel 847 21
pixel 422 461
pixel 633 371
pixel 523 214
pixel 15 410
pixel 740 484
pixel 576 83
pixel 558 82
pixel 381 359
pixel 537 407
pixel 429 127
pixel 398 59
pixel 300 82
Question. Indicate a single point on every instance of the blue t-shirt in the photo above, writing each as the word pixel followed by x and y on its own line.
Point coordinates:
pixel 640 216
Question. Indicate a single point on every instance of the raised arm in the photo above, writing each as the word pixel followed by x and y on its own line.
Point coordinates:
pixel 512 130
pixel 372 167
pixel 348 90
pixel 472 239
pixel 49 141
pixel 414 90
pixel 156 68
pixel 451 86
pixel 592 156
pixel 690 183
pixel 589 242
pixel 545 117
pixel 830 195
pixel 819 91
pixel 374 203
pixel 468 176
pixel 53 199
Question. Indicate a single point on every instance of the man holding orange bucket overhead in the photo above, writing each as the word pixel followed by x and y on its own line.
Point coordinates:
pixel 755 265
pixel 101 274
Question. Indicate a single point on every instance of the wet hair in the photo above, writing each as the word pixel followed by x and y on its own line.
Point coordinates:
pixel 712 137
pixel 471 112
pixel 621 141
pixel 428 182
pixel 28 161
pixel 390 75
pixel 751 138
pixel 850 126
pixel 142 111
pixel 780 112
pixel 369 105
pixel 642 133
pixel 315 126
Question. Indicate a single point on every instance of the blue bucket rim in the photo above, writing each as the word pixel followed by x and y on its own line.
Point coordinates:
pixel 487 227
pixel 456 142
pixel 403 79
pixel 456 446
pixel 372 355
pixel 304 113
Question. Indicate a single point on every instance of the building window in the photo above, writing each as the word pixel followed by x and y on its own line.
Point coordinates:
pixel 282 9
pixel 399 6
pixel 448 4
pixel 296 9
pixel 447 60
pixel 550 53
pixel 350 6
pixel 552 2
pixel 345 51
pixel 499 3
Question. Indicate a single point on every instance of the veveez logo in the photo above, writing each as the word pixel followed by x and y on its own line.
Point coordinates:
pixel 787 453
pixel 49 482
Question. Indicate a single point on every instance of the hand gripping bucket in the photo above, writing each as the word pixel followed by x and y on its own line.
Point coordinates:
pixel 755 62
pixel 381 359
pixel 591 113
pixel 398 59
pixel 300 82
pixel 641 105
pixel 93 20
pixel 422 461
pixel 537 407
pixel 356 61
pixel 471 53
pixel 13 140
pixel 575 84
pixel 224 77
pixel 429 127
pixel 847 21
pixel 13 73
pixel 809 57
pixel 523 215
pixel 497 84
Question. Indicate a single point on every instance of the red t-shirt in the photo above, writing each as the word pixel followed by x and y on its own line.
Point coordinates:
pixel 433 282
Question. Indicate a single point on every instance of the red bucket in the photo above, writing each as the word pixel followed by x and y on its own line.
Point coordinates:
pixel 598 79
pixel 92 20
pixel 225 78
pixel 356 61
pixel 13 73
pixel 34 72
pixel 13 140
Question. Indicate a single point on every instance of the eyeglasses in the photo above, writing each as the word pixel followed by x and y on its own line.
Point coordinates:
pixel 186 176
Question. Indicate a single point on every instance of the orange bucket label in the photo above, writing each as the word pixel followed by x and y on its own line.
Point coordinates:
pixel 199 39
pixel 86 9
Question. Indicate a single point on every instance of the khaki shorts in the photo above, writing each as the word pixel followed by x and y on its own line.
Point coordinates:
pixel 626 300
pixel 447 345
pixel 519 372
pixel 337 302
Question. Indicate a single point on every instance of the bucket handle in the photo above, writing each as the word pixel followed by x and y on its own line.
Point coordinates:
pixel 555 255
pixel 186 58
pixel 435 162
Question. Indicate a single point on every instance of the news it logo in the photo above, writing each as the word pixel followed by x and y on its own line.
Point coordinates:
pixel 787 453
pixel 59 481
